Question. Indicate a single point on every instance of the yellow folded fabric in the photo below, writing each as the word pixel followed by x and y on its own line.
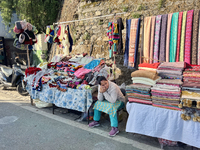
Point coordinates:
pixel 145 74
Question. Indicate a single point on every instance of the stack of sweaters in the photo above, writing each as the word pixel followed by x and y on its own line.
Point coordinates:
pixel 139 93
pixel 149 67
pixel 171 70
pixel 191 86
pixel 145 77
pixel 166 93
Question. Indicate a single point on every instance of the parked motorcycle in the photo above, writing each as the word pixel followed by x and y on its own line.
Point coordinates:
pixel 13 77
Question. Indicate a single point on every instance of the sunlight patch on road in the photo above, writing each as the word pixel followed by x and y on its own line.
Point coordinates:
pixel 8 119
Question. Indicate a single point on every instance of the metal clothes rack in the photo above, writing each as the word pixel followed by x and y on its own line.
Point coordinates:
pixel 90 18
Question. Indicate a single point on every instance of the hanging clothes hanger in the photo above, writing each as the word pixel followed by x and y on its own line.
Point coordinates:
pixel 115 18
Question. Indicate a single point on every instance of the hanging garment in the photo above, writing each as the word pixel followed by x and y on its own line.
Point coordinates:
pixel 195 37
pixel 49 34
pixel 147 33
pixel 27 37
pixel 65 42
pixel 179 35
pixel 109 34
pixel 55 39
pixel 59 30
pixel 199 45
pixel 182 46
pixel 153 21
pixel 120 26
pixel 173 37
pixel 188 36
pixel 70 39
pixel 142 45
pixel 23 25
pixel 132 42
pixel 157 38
pixel 162 55
pixel 137 43
pixel 17 31
pixel 113 36
pixel 168 36
pixel 126 54
pixel 62 31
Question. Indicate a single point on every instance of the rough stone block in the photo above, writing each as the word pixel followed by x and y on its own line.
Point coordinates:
pixel 88 27
pixel 98 13
pixel 81 23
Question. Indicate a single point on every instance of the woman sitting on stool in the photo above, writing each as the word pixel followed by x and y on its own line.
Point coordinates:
pixel 110 99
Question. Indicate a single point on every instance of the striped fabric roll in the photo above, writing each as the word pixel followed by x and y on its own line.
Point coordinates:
pixel 182 46
pixel 179 35
pixel 133 31
pixel 126 53
pixel 188 36
pixel 173 37
pixel 195 37
pixel 153 21
pixel 147 31
pixel 199 45
pixel 137 42
pixel 168 36
pixel 157 38
pixel 162 53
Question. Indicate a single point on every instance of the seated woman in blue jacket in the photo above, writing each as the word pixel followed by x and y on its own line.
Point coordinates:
pixel 110 99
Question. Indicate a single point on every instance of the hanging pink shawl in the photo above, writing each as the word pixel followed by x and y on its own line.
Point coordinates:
pixel 133 30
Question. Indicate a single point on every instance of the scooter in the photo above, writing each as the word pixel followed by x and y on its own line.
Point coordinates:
pixel 13 77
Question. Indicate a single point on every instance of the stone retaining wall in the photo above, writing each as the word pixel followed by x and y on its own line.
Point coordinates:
pixel 84 32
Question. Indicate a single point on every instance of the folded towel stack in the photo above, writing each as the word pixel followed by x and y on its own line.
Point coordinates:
pixel 166 93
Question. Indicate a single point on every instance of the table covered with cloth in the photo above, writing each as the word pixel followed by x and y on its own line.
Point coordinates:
pixel 74 99
pixel 162 123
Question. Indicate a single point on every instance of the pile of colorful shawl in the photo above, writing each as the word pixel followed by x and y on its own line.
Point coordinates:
pixel 139 93
pixel 149 67
pixel 191 86
pixel 171 70
pixel 166 93
pixel 191 73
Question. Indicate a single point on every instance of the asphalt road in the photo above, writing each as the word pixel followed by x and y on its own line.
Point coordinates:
pixel 25 127
pixel 21 129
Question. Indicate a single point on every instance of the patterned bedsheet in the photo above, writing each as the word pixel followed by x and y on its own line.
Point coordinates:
pixel 75 99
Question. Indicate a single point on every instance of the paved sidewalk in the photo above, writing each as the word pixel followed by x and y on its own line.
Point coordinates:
pixel 141 141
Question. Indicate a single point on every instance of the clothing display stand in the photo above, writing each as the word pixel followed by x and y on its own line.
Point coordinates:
pixel 89 18
pixel 28 56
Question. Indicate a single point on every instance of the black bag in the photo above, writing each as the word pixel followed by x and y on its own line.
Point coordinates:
pixel 89 76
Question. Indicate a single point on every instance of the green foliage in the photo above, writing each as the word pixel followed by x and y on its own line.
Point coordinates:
pixel 40 13
pixel 160 4
pixel 6 11
pixel 136 15
pixel 141 7
pixel 100 22
pixel 125 8
pixel 86 36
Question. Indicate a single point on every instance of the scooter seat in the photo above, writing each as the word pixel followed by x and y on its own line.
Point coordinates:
pixel 6 70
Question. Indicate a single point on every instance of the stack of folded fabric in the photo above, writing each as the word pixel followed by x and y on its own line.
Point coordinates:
pixel 191 86
pixel 149 67
pixel 145 77
pixel 139 93
pixel 191 73
pixel 166 93
pixel 171 70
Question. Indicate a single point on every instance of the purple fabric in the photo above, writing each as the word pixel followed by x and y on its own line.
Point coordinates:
pixel 162 56
pixel 157 39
